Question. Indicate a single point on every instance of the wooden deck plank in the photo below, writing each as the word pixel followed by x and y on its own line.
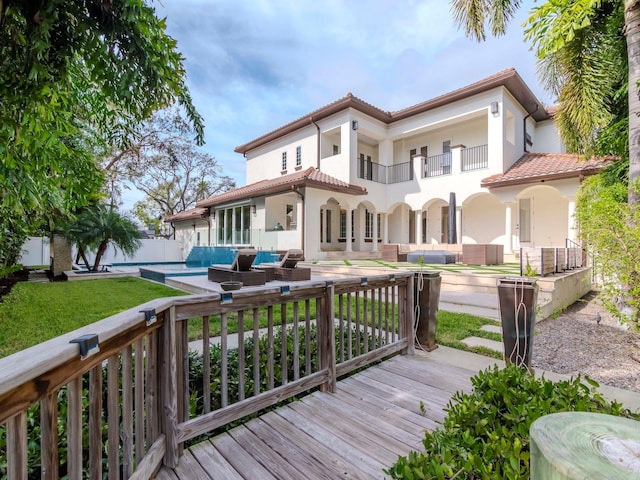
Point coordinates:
pixel 398 382
pixel 374 397
pixel 285 442
pixel 408 400
pixel 377 410
pixel 368 467
pixel 167 474
pixel 350 431
pixel 374 417
pixel 264 453
pixel 213 462
pixel 242 461
pixel 451 380
pixel 388 433
pixel 189 467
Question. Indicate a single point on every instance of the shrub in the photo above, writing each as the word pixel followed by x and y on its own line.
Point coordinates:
pixel 486 432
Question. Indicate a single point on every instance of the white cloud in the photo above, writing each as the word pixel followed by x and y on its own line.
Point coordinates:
pixel 255 65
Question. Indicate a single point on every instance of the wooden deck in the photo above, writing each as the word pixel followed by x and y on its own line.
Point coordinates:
pixel 374 417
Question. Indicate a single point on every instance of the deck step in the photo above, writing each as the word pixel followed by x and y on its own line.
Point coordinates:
pixel 479 304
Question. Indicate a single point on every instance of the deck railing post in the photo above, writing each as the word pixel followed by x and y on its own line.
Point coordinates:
pixel 168 387
pixel 408 320
pixel 326 339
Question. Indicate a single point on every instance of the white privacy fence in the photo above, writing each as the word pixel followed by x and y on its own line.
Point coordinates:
pixel 36 251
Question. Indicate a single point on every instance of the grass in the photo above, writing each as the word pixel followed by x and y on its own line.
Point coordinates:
pixel 454 327
pixel 35 312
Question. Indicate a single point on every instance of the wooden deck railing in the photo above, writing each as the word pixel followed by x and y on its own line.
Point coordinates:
pixel 130 406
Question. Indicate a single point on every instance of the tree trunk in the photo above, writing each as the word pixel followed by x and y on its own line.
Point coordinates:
pixel 632 33
pixel 101 249
pixel 632 26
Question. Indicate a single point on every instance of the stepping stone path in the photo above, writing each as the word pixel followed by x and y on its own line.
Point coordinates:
pixel 485 342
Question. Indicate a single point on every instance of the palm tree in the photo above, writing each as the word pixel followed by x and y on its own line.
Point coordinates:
pixel 595 74
pixel 98 226
pixel 581 60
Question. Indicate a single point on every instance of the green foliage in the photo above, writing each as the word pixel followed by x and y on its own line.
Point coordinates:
pixel 75 79
pixel 611 229
pixel 35 312
pixel 486 432
pixel 98 226
pixel 196 392
pixel 583 59
pixel 529 271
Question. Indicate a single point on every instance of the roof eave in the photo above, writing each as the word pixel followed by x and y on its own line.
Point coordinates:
pixel 540 178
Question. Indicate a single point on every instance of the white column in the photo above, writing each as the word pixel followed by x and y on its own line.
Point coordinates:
pixel 508 227
pixel 571 221
pixel 385 228
pixel 418 166
pixel 456 158
pixel 418 224
pixel 374 240
pixel 348 247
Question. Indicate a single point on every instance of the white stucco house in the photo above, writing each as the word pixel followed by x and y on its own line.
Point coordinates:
pixel 350 176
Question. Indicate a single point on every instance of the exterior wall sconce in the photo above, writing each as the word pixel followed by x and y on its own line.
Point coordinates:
pixel 495 108
pixel 354 124
pixel 194 226
pixel 254 210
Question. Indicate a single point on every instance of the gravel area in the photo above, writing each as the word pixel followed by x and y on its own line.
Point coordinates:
pixel 574 343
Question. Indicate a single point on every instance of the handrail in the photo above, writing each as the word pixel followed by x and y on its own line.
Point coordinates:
pixel 474 158
pixel 315 331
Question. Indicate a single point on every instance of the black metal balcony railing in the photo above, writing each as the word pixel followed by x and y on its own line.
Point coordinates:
pixel 401 172
pixel 474 158
pixel 372 171
pixel 437 165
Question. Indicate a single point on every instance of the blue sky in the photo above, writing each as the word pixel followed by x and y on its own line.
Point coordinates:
pixel 254 65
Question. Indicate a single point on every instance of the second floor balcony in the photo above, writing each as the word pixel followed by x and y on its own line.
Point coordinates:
pixel 470 159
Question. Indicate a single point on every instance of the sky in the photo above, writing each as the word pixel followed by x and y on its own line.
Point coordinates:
pixel 255 65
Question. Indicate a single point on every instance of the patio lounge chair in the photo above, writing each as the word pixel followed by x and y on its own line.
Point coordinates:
pixel 240 270
pixel 288 268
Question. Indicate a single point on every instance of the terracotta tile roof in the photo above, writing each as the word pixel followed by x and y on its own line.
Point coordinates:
pixel 304 178
pixel 191 214
pixel 537 167
pixel 509 78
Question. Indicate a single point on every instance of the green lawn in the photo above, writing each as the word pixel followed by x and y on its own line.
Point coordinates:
pixel 35 312
pixel 453 327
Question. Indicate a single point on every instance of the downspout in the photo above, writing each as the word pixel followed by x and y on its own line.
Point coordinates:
pixel 296 190
pixel 318 144
pixel 524 128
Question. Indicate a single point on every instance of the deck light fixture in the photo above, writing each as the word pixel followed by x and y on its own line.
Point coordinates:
pixel 88 344
pixel 150 316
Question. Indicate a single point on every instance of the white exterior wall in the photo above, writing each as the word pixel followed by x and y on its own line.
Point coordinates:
pixel 266 161
pixel 513 145
pixel 466 122
pixel 35 251
pixel 479 223
pixel 547 139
